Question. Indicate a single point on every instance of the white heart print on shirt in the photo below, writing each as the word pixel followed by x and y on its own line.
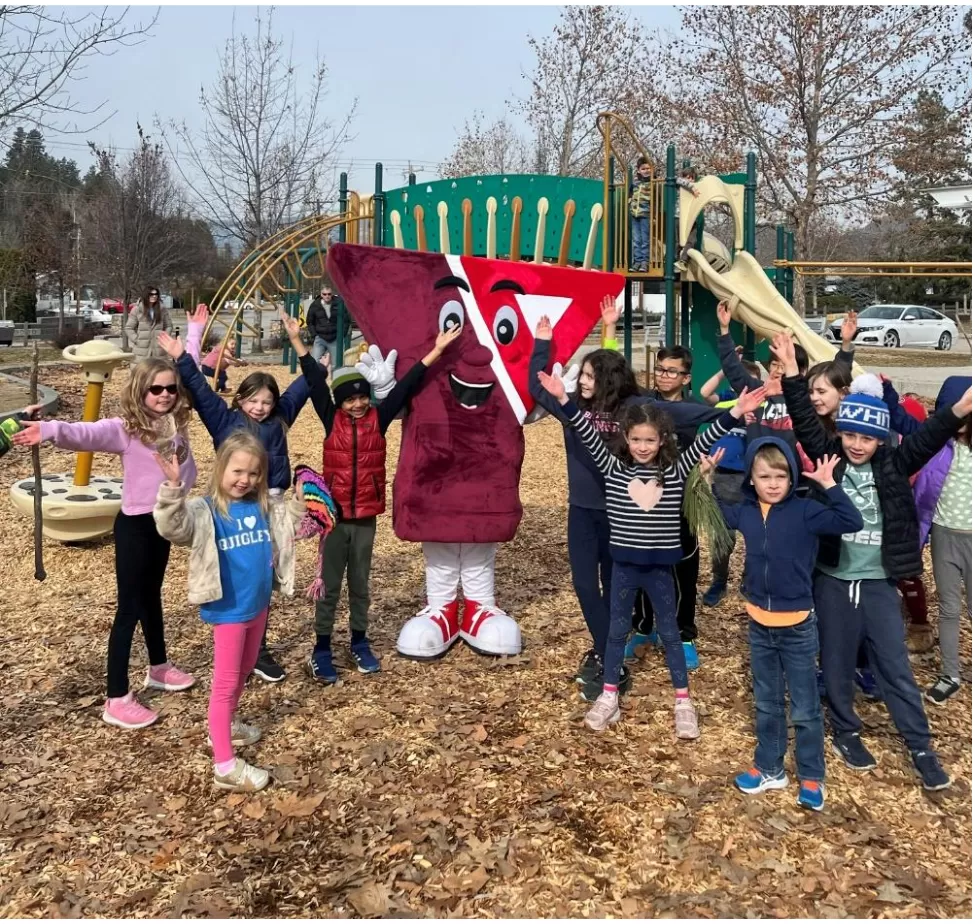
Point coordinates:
pixel 250 522
pixel 645 494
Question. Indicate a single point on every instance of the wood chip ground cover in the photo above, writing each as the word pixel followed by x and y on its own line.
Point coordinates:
pixel 465 788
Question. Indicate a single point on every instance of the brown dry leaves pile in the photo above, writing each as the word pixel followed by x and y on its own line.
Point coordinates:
pixel 468 787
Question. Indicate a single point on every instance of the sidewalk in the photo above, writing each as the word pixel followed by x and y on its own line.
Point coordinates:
pixel 925 381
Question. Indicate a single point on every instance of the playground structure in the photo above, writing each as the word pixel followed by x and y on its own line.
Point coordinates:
pixel 78 507
pixel 568 221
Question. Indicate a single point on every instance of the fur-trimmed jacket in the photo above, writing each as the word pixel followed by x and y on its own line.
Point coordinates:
pixel 189 522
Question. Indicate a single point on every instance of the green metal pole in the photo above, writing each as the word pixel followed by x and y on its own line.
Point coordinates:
pixel 790 276
pixel 343 202
pixel 379 210
pixel 780 255
pixel 610 254
pixel 411 180
pixel 670 243
pixel 628 322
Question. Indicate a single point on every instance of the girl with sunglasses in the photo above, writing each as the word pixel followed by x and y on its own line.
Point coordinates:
pixel 155 416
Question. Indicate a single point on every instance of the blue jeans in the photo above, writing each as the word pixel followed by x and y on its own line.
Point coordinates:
pixel 640 232
pixel 591 569
pixel 852 613
pixel 658 583
pixel 785 657
pixel 320 347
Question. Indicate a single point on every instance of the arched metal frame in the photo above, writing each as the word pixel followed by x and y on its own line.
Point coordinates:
pixel 288 249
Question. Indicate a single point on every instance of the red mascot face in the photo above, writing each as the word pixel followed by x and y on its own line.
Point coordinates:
pixel 462 449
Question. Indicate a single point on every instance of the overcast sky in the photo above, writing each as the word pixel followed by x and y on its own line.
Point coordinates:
pixel 385 56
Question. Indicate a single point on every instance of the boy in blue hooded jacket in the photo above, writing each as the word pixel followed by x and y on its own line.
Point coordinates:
pixel 781 533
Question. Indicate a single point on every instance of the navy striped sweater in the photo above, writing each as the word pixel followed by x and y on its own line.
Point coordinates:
pixel 637 535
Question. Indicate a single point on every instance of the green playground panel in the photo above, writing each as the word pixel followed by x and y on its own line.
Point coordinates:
pixel 504 187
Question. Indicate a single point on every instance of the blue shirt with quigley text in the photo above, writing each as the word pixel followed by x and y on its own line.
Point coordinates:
pixel 246 564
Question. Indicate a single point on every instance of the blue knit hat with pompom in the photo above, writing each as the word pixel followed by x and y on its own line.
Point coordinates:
pixel 863 410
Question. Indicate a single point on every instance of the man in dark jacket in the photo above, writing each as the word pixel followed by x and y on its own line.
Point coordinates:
pixel 854 590
pixel 322 321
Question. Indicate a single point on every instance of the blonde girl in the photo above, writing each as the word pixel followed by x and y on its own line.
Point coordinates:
pixel 240 546
pixel 155 415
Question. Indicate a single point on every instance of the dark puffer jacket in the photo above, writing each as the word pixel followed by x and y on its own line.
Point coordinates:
pixel 892 468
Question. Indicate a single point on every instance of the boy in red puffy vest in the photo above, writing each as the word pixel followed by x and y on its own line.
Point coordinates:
pixel 354 467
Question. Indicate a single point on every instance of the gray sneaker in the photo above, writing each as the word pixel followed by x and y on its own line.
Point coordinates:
pixel 605 712
pixel 685 720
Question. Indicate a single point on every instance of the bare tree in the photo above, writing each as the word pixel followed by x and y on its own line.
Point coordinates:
pixel 820 93
pixel 266 152
pixel 596 59
pixel 487 149
pixel 44 51
pixel 132 219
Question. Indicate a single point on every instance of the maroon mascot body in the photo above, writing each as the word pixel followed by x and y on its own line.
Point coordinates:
pixel 456 484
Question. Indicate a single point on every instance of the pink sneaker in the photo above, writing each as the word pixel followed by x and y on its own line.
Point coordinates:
pixel 167 677
pixel 127 712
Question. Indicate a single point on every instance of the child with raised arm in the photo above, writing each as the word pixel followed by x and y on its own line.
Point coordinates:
pixel 258 407
pixel 155 414
pixel 354 468
pixel 240 547
pixel 644 490
pixel 781 533
pixel 855 584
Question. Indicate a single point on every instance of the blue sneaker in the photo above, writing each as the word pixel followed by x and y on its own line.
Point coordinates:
pixel 690 656
pixel 754 781
pixel 365 660
pixel 715 593
pixel 821 684
pixel 638 641
pixel 321 668
pixel 812 795
pixel 867 684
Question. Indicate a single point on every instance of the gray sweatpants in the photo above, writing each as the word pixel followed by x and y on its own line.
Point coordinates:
pixel 951 556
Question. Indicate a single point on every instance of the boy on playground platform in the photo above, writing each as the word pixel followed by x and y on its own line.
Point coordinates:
pixel 781 533
pixel 641 192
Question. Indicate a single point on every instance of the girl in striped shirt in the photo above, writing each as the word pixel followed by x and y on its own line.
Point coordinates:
pixel 644 492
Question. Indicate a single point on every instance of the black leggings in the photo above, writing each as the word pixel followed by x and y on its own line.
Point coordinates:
pixel 141 556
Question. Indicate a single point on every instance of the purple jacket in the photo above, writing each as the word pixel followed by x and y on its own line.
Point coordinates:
pixel 928 485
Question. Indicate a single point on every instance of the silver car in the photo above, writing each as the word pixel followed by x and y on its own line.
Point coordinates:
pixel 900 326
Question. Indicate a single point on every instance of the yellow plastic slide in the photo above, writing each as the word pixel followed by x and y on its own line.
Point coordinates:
pixel 759 304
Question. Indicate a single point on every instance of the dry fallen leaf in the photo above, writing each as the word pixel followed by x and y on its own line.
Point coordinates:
pixel 294 807
pixel 370 900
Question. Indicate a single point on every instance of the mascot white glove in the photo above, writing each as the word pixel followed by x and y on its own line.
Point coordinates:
pixel 378 372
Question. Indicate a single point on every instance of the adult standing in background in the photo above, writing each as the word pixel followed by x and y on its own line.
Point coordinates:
pixel 144 323
pixel 322 321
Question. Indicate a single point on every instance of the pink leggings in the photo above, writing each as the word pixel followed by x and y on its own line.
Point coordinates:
pixel 235 649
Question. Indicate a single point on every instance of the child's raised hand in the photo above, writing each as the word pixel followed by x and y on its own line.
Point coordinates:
pixel 849 329
pixel 610 310
pixel 173 346
pixel 32 411
pixel 199 316
pixel 543 330
pixel 724 317
pixel 748 402
pixel 554 385
pixel 783 347
pixel 290 324
pixel 446 337
pixel 29 436
pixel 169 466
pixel 710 463
pixel 823 473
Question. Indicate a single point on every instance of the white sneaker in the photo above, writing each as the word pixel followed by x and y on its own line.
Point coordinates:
pixel 241 734
pixel 685 718
pixel 243 778
pixel 605 712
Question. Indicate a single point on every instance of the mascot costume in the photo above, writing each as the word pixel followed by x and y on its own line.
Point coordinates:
pixel 456 484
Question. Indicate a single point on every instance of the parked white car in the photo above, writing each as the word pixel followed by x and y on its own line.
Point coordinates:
pixel 900 326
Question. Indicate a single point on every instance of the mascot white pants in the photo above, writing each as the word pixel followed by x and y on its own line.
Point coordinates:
pixel 470 615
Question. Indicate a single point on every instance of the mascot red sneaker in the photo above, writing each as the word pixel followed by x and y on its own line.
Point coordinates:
pixel 456 484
